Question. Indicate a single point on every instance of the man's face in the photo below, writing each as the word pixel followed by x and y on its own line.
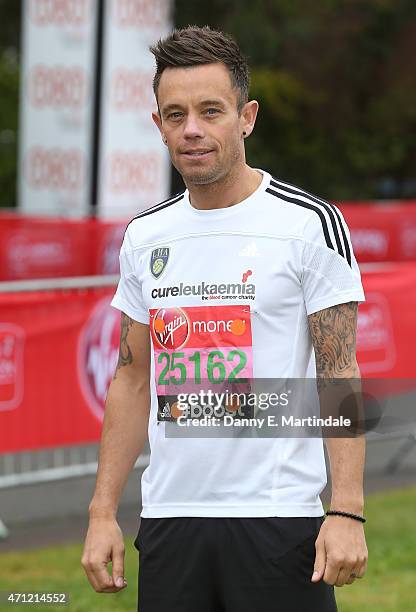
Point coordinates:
pixel 200 121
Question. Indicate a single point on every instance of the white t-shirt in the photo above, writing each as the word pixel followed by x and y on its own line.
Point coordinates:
pixel 258 268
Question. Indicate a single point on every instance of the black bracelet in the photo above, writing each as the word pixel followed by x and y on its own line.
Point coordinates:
pixel 349 514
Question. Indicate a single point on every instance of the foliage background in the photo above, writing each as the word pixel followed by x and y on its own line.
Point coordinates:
pixel 9 98
pixel 336 80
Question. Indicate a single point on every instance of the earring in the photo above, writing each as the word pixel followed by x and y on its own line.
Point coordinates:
pixel 244 133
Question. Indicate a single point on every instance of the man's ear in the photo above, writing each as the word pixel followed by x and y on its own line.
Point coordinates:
pixel 158 121
pixel 156 118
pixel 248 117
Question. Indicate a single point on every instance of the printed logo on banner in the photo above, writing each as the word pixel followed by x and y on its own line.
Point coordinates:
pixel 97 355
pixel 28 253
pixel 131 90
pixel 60 12
pixel 133 171
pixel 370 241
pixel 58 87
pixel 109 260
pixel 141 13
pixel 159 260
pixel 407 241
pixel 376 347
pixel 55 169
pixel 12 338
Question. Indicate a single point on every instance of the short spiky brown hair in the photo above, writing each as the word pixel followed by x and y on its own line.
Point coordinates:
pixel 195 46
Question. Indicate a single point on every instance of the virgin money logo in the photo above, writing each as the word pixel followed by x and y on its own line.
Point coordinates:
pixel 12 340
pixel 97 355
pixel 171 327
pixel 58 87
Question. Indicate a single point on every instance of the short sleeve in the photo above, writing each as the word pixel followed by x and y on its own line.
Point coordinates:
pixel 330 273
pixel 128 297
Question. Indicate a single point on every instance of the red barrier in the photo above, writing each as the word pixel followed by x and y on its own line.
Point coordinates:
pixel 58 351
pixel 386 322
pixel 108 237
pixel 44 248
pixel 57 355
pixel 33 247
pixel 382 232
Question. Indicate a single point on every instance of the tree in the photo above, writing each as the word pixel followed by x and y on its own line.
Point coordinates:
pixel 337 87
pixel 9 99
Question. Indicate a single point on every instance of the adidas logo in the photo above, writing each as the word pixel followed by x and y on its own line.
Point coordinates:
pixel 250 251
pixel 166 410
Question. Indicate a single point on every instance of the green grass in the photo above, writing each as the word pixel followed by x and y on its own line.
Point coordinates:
pixel 390 582
pixel 389 585
pixel 58 570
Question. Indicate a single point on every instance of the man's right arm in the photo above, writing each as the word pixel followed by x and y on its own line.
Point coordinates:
pixel 123 436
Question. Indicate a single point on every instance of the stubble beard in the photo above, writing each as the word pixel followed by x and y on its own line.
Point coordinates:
pixel 204 177
pixel 216 172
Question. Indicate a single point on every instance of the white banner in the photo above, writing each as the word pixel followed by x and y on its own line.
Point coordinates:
pixel 57 95
pixel 134 164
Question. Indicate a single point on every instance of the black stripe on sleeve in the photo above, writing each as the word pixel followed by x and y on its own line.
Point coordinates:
pixel 330 208
pixel 157 207
pixel 310 207
pixel 346 241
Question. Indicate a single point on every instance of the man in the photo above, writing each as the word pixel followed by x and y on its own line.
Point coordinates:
pixel 240 273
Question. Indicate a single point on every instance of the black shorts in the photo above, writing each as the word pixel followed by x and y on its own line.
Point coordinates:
pixel 230 565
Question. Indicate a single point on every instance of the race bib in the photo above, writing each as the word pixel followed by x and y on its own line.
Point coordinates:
pixel 198 349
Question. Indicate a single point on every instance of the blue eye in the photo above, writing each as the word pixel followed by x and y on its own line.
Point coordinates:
pixel 212 110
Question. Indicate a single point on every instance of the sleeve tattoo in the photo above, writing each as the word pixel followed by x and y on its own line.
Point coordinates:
pixel 125 356
pixel 333 332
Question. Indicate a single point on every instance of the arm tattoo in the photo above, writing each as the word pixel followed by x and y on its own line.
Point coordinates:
pixel 333 333
pixel 125 356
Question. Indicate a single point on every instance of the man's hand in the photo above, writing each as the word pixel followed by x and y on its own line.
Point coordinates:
pixel 340 551
pixel 104 543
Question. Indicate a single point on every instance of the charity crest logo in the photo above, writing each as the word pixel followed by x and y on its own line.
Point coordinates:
pixel 158 261
pixel 171 327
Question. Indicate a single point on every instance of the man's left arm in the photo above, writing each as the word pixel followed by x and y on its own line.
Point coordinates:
pixel 340 547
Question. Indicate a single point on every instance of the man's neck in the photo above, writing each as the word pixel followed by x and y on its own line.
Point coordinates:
pixel 234 188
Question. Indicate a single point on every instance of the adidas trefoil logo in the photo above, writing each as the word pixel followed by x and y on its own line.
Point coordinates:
pixel 250 251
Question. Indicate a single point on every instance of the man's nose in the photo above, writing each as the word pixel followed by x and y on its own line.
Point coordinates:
pixel 193 127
